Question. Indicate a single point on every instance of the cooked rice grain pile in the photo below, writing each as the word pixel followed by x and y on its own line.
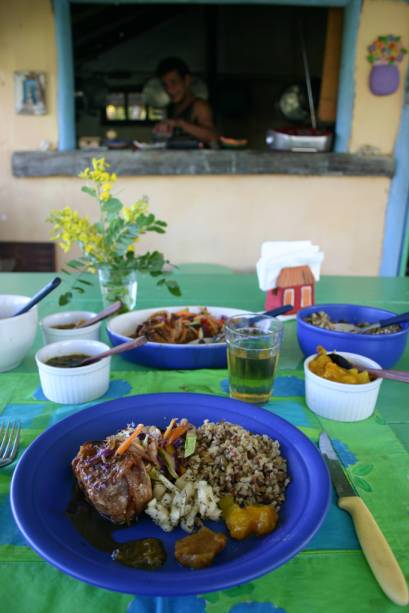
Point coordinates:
pixel 234 461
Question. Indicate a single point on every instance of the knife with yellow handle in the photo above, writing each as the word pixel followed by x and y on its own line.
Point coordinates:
pixel 374 545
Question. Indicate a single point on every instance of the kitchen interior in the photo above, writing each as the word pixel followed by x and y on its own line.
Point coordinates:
pixel 265 70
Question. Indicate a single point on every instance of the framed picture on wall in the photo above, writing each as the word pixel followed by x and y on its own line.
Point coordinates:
pixel 30 93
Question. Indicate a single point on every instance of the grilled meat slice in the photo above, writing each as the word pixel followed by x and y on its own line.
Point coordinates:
pixel 118 487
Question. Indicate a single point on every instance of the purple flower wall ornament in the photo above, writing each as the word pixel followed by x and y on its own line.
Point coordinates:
pixel 384 54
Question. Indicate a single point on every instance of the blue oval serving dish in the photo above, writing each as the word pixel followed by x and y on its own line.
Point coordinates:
pixel 386 349
pixel 166 355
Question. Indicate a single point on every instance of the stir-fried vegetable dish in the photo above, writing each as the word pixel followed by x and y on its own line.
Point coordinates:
pixel 182 327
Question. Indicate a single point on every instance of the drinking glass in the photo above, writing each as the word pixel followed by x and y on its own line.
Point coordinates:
pixel 253 348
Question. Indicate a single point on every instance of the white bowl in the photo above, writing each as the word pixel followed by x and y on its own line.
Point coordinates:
pixel 73 385
pixel 341 401
pixel 53 335
pixel 16 333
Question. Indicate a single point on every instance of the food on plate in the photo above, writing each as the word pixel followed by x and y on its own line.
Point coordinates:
pixel 234 461
pixel 117 485
pixel 199 549
pixel 182 503
pixel 70 326
pixel 321 319
pixel 324 367
pixel 181 327
pixel 177 476
pixel 116 474
pixel 245 521
pixel 233 142
pixel 67 361
pixel 148 554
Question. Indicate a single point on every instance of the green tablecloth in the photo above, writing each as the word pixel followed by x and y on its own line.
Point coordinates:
pixel 331 574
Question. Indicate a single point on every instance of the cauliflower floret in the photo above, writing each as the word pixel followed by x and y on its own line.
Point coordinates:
pixel 183 504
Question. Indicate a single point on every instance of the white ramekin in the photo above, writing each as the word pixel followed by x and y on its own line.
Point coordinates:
pixel 73 385
pixel 53 335
pixel 341 401
pixel 16 333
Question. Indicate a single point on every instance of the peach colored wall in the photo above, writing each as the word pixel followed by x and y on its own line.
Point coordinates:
pixel 376 118
pixel 27 42
pixel 225 219
pixel 215 219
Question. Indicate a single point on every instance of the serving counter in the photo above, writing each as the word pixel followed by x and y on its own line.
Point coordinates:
pixel 203 162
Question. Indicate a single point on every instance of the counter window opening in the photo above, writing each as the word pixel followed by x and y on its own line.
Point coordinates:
pixel 246 59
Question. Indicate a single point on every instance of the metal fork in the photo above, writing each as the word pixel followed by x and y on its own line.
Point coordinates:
pixel 9 441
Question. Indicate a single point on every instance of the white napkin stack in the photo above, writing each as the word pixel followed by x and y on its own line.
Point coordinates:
pixel 276 255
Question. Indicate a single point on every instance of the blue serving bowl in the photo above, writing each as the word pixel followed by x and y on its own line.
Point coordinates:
pixel 166 355
pixel 386 349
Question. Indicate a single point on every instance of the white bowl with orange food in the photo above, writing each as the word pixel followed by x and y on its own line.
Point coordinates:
pixel 342 401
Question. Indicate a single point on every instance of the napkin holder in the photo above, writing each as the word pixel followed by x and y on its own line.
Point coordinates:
pixel 295 285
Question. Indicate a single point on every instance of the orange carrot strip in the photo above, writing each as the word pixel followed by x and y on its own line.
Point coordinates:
pixel 127 442
pixel 169 428
pixel 176 433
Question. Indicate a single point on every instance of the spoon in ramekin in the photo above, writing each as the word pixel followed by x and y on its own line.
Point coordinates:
pixel 395 375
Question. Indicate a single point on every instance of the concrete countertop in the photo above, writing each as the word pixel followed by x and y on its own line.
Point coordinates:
pixel 202 162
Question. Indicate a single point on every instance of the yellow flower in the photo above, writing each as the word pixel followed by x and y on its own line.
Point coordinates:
pixel 98 173
pixel 100 164
pixel 131 213
pixel 100 242
pixel 85 174
pixel 126 214
pixel 141 207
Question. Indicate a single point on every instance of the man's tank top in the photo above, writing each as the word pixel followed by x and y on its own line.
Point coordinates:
pixel 186 114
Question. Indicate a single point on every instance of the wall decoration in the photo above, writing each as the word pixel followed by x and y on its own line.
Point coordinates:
pixel 30 93
pixel 385 53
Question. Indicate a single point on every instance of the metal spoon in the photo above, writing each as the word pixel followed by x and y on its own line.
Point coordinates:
pixel 347 327
pixel 39 296
pixel 110 310
pixel 221 337
pixel 395 375
pixel 137 342
pixel 273 313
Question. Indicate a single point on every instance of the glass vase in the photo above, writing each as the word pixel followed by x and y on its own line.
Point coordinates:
pixel 118 284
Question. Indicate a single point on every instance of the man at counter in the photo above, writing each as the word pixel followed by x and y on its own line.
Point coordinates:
pixel 187 115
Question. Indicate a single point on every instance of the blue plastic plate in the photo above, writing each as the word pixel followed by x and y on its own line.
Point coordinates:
pixel 42 485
